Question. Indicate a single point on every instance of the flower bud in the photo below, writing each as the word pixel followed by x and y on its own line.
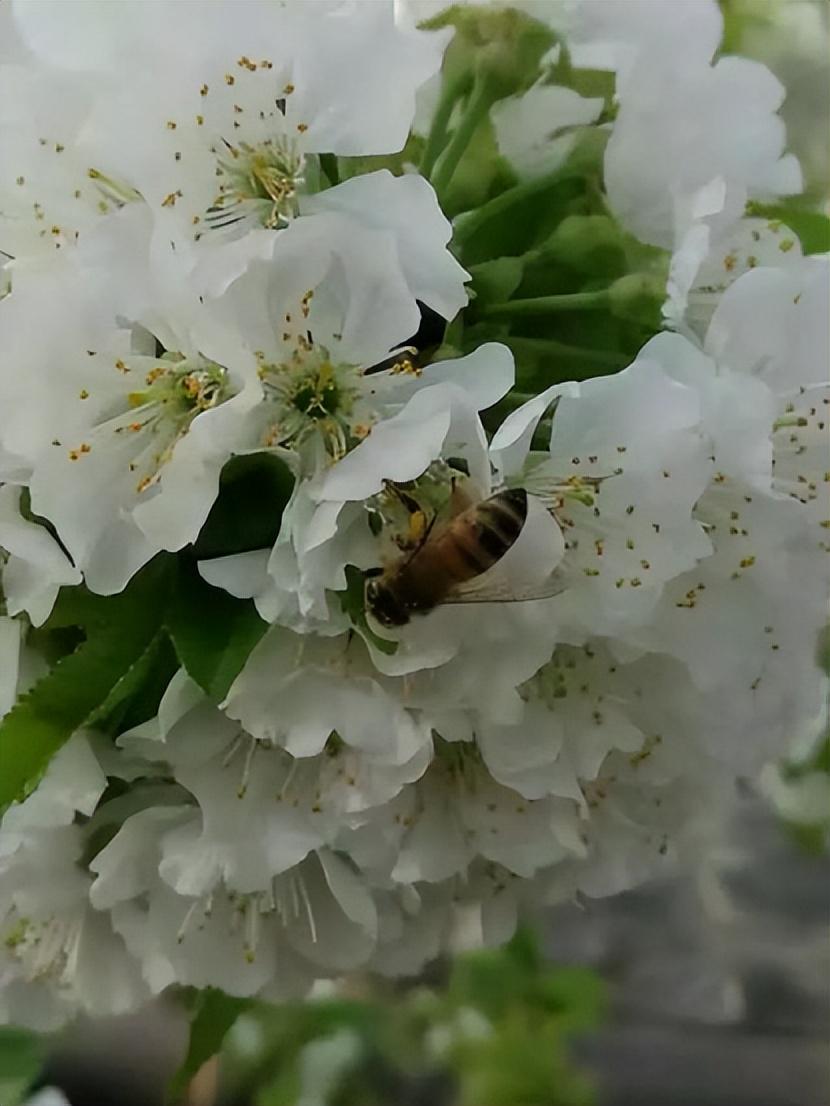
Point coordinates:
pixel 638 297
pixel 504 46
pixel 591 244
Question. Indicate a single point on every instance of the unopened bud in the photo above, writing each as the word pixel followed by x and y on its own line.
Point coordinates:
pixel 591 244
pixel 639 297
pixel 502 45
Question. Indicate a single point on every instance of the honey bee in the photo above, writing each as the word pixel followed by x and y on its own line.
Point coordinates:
pixel 443 564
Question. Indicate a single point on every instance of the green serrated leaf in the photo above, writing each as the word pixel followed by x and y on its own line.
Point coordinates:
pixel 73 691
pixel 212 632
pixel 128 683
pixel 21 1059
pixel 136 696
pixel 79 607
pixel 213 1015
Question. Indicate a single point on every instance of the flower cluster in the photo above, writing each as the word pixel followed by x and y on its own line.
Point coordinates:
pixel 414 460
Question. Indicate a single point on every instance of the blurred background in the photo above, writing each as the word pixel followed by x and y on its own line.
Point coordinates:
pixel 709 989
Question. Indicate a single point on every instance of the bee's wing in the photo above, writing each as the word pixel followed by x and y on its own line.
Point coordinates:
pixel 495 588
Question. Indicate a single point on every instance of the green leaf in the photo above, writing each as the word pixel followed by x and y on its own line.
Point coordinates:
pixel 74 690
pixel 212 632
pixel 78 607
pixel 21 1058
pixel 253 491
pixel 811 227
pixel 129 682
pixel 576 995
pixel 213 1015
pixel 136 696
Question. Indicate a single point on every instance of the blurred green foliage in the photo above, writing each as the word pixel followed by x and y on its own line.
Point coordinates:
pixel 496 1031
pixel 21 1058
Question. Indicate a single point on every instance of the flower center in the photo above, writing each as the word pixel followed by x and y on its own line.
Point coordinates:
pixel 45 949
pixel 180 388
pixel 312 395
pixel 285 899
pixel 175 391
pixel 259 184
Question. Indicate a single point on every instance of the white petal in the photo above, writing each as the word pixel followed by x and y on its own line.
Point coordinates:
pixel 37 566
pixel 407 208
pixel 527 126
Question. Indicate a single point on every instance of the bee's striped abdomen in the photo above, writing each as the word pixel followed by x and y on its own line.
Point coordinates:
pixel 481 535
pixel 501 518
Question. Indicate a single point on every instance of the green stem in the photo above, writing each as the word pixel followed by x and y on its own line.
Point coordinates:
pixel 604 357
pixel 452 91
pixel 545 305
pixel 468 223
pixel 526 258
pixel 479 103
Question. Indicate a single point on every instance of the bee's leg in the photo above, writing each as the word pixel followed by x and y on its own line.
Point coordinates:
pixel 408 502
pixel 419 524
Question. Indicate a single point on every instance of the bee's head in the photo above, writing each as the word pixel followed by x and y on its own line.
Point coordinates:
pixel 383 603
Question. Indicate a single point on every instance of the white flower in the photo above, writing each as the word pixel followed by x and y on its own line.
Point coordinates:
pixel 417 416
pixel 684 123
pixel 625 468
pixel 50 191
pixel 125 443
pixel 296 690
pixel 73 784
pixel 51 945
pixel 58 955
pixel 36 567
pixel 12 47
pixel 20 665
pixel 702 268
pixel 219 112
pixel 457 813
pixel 197 264
pixel 261 809
pixel 760 594
pixel 578 709
pixel 605 34
pixel 315 918
pixel 405 207
pixel 245 870
pixel 413 927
